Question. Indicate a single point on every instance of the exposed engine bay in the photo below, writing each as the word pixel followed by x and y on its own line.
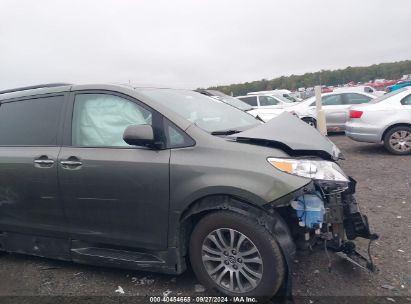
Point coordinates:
pixel 329 214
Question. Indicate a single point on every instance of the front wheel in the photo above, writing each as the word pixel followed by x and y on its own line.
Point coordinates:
pixel 234 255
pixel 398 140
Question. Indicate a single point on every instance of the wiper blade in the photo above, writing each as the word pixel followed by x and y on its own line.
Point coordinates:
pixel 225 132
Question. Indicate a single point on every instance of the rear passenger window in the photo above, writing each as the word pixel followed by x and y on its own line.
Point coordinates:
pixel 99 120
pixel 353 98
pixel 406 101
pixel 252 100
pixel 30 122
pixel 331 100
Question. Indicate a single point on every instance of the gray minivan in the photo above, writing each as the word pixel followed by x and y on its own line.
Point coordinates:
pixel 154 179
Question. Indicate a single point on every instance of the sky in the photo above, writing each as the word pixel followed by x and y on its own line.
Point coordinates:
pixel 194 43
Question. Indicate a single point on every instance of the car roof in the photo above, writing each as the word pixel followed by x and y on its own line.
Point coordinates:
pixel 34 90
pixel 342 92
pixel 257 95
pixel 65 87
pixel 245 96
pixel 127 89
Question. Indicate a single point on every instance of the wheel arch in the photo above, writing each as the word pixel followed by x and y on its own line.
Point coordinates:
pixel 308 117
pixel 272 221
pixel 387 129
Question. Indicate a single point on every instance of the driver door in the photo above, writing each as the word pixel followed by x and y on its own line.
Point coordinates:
pixel 113 193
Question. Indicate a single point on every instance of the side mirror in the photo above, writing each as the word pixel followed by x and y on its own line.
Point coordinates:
pixel 139 135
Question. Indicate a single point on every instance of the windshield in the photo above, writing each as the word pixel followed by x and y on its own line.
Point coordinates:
pixel 234 102
pixel 388 95
pixel 283 99
pixel 290 98
pixel 230 100
pixel 303 104
pixel 205 112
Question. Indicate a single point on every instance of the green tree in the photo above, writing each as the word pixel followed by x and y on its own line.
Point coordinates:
pixel 393 70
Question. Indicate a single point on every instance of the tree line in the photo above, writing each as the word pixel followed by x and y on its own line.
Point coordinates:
pixel 393 70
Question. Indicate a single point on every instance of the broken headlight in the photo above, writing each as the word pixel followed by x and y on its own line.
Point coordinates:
pixel 319 170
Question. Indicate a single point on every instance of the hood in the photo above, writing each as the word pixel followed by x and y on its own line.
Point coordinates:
pixel 292 135
pixel 288 104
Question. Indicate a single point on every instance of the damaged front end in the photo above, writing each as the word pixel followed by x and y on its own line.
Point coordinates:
pixel 330 214
pixel 326 211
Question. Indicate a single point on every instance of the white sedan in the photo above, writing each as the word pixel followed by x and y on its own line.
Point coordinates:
pixel 266 106
pixel 386 119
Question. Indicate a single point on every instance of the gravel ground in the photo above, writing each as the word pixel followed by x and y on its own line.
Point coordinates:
pixel 383 190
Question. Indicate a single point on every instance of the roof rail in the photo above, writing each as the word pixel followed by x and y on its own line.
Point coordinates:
pixel 39 86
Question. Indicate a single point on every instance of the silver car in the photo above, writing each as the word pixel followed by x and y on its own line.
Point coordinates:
pixel 386 119
pixel 335 105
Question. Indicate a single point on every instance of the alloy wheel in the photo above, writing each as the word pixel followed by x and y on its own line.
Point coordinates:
pixel 232 260
pixel 401 141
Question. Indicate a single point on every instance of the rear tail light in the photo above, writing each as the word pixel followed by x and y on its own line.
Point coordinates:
pixel 355 114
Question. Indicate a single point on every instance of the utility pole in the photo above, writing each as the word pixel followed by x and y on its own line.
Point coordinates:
pixel 321 122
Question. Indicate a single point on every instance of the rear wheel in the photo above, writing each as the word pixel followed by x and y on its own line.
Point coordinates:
pixel 234 255
pixel 398 140
pixel 311 121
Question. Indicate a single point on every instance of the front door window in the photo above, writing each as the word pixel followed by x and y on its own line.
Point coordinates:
pixel 99 120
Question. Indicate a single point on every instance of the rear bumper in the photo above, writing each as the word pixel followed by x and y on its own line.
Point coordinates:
pixel 364 133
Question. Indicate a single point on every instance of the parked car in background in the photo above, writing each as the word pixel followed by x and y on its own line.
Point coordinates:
pixel 398 85
pixel 386 119
pixel 405 77
pixel 335 106
pixel 265 106
pixel 234 102
pixel 381 84
pixel 278 92
pixel 325 89
pixel 154 179
pixel 361 89
pixel 260 113
pixel 266 101
pixel 295 96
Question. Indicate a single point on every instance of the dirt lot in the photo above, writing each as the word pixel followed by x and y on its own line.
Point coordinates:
pixel 384 190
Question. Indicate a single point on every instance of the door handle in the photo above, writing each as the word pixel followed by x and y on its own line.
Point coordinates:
pixel 71 163
pixel 43 162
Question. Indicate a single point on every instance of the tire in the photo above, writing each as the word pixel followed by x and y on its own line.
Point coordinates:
pixel 398 140
pixel 311 121
pixel 267 277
